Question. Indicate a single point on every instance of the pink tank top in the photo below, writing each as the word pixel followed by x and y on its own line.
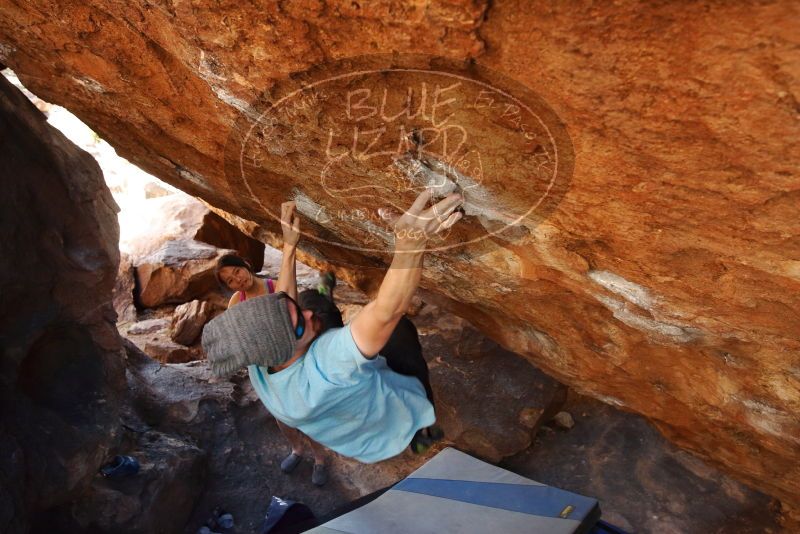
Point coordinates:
pixel 270 289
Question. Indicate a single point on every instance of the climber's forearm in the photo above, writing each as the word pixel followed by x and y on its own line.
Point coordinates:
pixel 400 283
pixel 287 278
pixel 375 323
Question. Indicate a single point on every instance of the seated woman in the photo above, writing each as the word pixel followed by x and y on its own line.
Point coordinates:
pixel 236 274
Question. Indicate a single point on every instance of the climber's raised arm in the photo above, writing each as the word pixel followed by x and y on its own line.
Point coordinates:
pixel 290 223
pixel 375 323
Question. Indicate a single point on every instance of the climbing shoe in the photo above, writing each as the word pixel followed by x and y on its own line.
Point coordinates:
pixel 420 443
pixel 435 432
pixel 319 476
pixel 290 462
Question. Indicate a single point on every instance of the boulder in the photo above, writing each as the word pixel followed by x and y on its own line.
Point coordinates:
pixel 492 407
pixel 154 190
pixel 170 397
pixel 188 320
pixel 161 219
pixel 167 351
pixel 62 370
pixel 492 404
pixel 564 420
pixel 179 271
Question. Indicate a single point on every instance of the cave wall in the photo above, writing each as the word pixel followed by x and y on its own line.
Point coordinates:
pixel 62 376
pixel 665 278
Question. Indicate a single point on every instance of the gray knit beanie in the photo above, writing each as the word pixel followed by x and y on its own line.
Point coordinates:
pixel 257 331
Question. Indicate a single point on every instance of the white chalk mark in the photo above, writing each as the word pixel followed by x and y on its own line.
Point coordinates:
pixel 613 401
pixel 206 68
pixel 89 84
pixel 626 289
pixel 311 209
pixel 673 332
pixel 193 177
pixel 444 179
pixel 769 419
pixel 641 297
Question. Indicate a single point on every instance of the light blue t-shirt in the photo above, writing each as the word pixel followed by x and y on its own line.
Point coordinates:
pixel 355 406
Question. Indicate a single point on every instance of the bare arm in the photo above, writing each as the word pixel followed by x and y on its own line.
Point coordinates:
pixel 290 222
pixel 373 326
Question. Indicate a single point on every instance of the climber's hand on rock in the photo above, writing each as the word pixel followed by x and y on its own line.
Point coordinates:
pixel 419 223
pixel 290 223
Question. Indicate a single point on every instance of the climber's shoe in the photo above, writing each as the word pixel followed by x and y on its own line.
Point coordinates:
pixel 420 443
pixel 435 432
pixel 120 466
pixel 290 462
pixel 319 476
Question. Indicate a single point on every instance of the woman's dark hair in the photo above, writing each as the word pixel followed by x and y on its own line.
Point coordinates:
pixel 230 260
pixel 323 307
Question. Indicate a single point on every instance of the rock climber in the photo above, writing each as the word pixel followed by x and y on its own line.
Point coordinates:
pixel 361 390
pixel 235 273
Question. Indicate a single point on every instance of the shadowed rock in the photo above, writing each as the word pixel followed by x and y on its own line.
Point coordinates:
pixel 124 291
pixel 62 373
pixel 188 320
pixel 644 483
pixel 489 402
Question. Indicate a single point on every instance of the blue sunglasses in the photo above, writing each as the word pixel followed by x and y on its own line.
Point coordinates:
pixel 300 329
